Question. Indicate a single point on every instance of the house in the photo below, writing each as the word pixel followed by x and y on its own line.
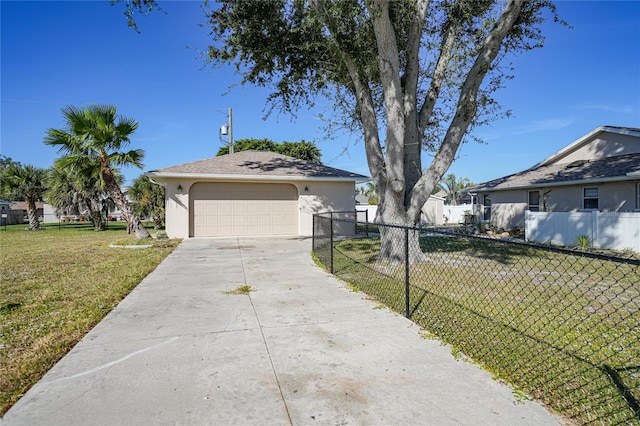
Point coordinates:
pixel 252 193
pixel 7 217
pixel 598 172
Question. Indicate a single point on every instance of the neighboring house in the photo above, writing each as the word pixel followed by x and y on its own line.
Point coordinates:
pixel 46 212
pixel 20 208
pixel 599 171
pixel 252 193
pixel 5 206
pixel 432 211
pixel 7 216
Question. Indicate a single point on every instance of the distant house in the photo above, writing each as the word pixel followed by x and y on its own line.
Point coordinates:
pixel 5 213
pixel 599 171
pixel 20 208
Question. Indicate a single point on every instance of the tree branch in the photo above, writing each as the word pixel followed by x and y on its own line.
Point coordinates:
pixel 389 66
pixel 365 105
pixel 467 106
pixel 446 49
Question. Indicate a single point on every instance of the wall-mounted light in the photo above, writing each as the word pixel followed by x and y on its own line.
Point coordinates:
pixel 306 189
pixel 179 187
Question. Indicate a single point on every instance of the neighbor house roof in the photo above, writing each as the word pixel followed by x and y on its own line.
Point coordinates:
pixel 252 164
pixel 621 167
pixel 582 141
pixel 22 205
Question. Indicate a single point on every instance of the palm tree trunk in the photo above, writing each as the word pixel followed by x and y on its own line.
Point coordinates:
pixel 96 220
pixel 130 216
pixel 32 212
pixel 157 221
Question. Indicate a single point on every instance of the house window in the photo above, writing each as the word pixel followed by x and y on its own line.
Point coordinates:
pixel 486 203
pixel 534 201
pixel 590 198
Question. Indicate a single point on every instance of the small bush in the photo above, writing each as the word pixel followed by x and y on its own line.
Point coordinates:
pixel 583 242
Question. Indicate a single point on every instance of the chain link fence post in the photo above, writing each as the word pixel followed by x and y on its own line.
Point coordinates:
pixel 313 233
pixel 406 273
pixel 331 243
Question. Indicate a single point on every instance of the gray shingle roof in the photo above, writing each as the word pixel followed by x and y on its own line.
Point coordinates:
pixel 553 174
pixel 259 163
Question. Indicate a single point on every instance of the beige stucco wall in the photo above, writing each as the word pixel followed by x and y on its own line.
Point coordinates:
pixel 605 145
pixel 612 197
pixel 323 196
pixel 314 196
pixel 508 207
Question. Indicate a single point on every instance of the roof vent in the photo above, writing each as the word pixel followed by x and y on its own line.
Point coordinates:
pixel 577 163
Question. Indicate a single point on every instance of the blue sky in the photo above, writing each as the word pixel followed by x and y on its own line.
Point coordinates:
pixel 81 52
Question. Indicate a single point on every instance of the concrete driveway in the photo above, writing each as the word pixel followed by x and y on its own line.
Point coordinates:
pixel 300 349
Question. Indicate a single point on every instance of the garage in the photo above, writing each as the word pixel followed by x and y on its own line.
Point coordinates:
pixel 251 193
pixel 233 208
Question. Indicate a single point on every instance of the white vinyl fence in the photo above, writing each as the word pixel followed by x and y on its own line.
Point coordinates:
pixel 370 209
pixel 616 231
pixel 455 214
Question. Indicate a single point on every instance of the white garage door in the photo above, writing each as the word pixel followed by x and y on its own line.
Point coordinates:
pixel 220 209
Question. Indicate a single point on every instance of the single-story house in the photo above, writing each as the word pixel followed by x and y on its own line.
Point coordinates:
pixel 599 171
pixel 8 217
pixel 252 193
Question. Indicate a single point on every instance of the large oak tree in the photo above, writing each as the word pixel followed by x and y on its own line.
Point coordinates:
pixel 411 75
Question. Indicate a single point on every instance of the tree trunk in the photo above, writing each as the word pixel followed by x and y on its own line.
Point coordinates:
pixel 32 212
pixel 157 221
pixel 401 242
pixel 95 215
pixel 96 220
pixel 130 216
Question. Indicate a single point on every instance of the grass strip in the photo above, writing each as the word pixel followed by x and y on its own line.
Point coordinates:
pixel 561 328
pixel 57 284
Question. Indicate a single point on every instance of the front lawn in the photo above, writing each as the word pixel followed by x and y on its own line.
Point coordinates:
pixel 560 327
pixel 56 284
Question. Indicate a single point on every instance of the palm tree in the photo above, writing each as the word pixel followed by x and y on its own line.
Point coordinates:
pixel 77 190
pixel 149 199
pixel 369 191
pixel 97 133
pixel 27 183
pixel 454 187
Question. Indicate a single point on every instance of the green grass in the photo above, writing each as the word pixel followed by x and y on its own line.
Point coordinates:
pixel 56 284
pixel 243 289
pixel 564 329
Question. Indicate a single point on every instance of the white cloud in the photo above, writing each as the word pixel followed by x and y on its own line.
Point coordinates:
pixel 544 125
pixel 623 109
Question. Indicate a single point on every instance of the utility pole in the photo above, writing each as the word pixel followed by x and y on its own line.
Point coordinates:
pixel 230 133
pixel 227 130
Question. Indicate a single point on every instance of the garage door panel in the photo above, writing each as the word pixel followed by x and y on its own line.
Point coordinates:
pixel 225 209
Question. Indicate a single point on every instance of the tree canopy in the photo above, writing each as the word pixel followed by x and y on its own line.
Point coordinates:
pixel 24 182
pixel 409 75
pixel 148 199
pixel 4 163
pixel 303 150
pixel 453 187
pixel 94 141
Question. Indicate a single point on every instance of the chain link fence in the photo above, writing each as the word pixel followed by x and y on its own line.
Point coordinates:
pixel 560 325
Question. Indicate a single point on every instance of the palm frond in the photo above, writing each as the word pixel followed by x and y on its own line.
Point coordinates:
pixel 129 158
